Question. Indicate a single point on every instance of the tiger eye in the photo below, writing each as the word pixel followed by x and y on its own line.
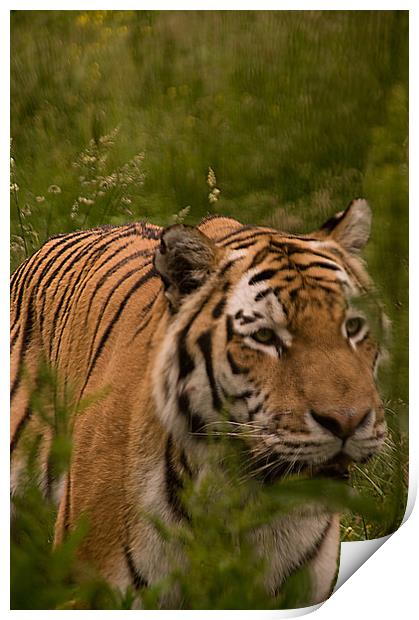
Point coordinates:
pixel 354 325
pixel 264 336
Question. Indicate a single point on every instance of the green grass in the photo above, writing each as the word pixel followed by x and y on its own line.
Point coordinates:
pixel 270 117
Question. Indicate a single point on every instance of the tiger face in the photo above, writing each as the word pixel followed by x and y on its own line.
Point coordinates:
pixel 265 331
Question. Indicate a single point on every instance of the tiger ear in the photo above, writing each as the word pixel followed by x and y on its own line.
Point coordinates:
pixel 184 260
pixel 350 228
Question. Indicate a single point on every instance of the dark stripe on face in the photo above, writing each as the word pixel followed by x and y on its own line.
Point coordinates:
pixel 254 235
pixel 267 274
pixel 321 265
pixel 148 276
pixel 263 294
pixel 205 344
pixel 186 363
pixel 226 268
pixel 244 246
pixel 292 248
pixel 325 285
pixel 196 425
pixel 229 328
pixel 259 257
pixel 245 320
pixel 174 483
pixel 254 411
pixel 138 581
pixel 242 395
pixel 218 309
pixel 236 369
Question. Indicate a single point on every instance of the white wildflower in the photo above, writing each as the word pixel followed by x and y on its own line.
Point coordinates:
pixel 54 189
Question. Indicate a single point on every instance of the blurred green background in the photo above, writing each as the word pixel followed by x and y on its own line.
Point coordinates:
pixel 278 117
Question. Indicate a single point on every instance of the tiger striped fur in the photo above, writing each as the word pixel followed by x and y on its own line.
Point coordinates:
pixel 172 326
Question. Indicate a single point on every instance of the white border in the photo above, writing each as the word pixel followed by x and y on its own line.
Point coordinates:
pixel 385 587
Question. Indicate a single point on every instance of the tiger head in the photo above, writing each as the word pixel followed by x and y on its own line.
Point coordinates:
pixel 266 326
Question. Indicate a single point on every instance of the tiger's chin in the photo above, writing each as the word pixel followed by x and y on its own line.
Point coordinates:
pixel 336 468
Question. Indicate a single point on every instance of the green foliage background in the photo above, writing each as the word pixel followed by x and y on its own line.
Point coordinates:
pixel 120 115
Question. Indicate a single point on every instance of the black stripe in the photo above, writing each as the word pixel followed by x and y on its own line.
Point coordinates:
pixel 257 232
pixel 267 274
pixel 72 298
pixel 185 360
pixel 259 257
pixel 109 241
pixel 326 285
pixel 254 411
pixel 146 310
pixel 61 308
pixel 45 264
pixel 150 274
pixel 225 268
pixel 17 276
pixel 218 309
pixel 236 369
pixel 245 245
pixel 321 265
pixel 14 338
pixel 263 294
pixel 196 425
pixel 307 557
pixel 88 275
pixel 29 323
pixel 101 314
pixel 242 395
pixel 150 231
pixel 229 327
pixel 138 581
pixel 74 255
pixel 205 344
pixel 109 235
pixel 115 268
pixel 245 320
pixel 289 278
pixel 186 363
pixel 66 523
pixel 235 233
pixel 174 483
pixel 37 259
pixel 292 248
pixel 19 429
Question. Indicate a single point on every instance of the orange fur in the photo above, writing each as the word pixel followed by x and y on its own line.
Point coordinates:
pixel 145 337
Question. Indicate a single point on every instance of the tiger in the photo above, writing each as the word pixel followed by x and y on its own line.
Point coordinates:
pixel 173 327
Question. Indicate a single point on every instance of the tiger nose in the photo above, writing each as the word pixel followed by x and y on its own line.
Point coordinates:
pixel 342 424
